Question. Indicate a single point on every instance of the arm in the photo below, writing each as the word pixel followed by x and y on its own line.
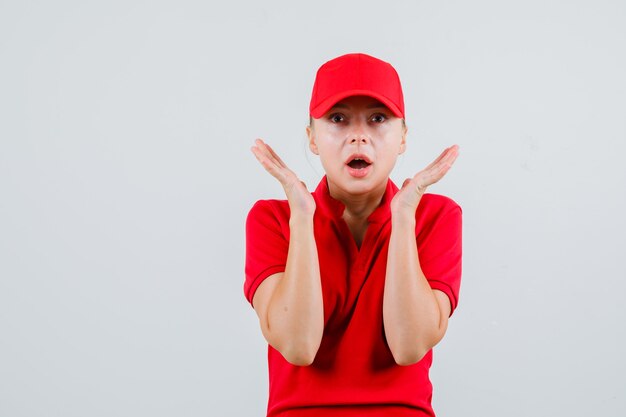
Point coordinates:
pixel 295 314
pixel 292 315
pixel 415 316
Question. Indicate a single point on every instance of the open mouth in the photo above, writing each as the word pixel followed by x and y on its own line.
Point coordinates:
pixel 358 163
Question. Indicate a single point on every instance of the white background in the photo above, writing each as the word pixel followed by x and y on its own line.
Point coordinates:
pixel 126 175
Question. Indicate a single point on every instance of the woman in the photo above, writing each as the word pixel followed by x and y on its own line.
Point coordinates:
pixel 353 284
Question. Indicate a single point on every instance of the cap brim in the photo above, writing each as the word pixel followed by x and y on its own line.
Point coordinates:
pixel 329 102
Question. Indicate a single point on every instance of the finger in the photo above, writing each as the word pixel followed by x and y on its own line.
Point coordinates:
pixel 272 154
pixel 275 155
pixel 447 153
pixel 262 155
pixel 285 176
pixel 447 160
pixel 436 169
pixel 288 177
pixel 453 157
pixel 269 165
pixel 265 148
pixel 439 158
pixel 434 174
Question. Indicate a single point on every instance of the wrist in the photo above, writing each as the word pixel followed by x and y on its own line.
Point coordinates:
pixel 403 218
pixel 300 219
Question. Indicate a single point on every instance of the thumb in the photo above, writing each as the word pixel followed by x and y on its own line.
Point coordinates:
pixel 406 181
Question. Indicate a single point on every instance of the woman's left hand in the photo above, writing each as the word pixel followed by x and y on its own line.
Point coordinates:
pixel 408 197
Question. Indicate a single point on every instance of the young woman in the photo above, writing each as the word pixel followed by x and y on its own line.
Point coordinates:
pixel 354 283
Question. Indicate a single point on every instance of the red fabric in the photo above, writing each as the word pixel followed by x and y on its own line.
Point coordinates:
pixel 354 373
pixel 353 75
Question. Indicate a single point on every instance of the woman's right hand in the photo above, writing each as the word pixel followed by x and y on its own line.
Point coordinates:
pixel 300 199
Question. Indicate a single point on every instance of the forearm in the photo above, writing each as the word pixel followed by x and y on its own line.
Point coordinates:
pixel 411 314
pixel 296 309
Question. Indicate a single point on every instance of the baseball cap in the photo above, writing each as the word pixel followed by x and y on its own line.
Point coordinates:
pixel 356 74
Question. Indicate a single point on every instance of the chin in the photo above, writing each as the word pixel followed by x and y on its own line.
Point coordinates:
pixel 357 186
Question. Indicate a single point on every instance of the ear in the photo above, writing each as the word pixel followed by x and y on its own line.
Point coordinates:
pixel 403 140
pixel 311 135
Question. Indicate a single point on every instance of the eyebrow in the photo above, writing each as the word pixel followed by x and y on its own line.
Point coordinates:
pixel 371 106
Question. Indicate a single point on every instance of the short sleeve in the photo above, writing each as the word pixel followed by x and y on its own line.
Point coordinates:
pixel 266 246
pixel 440 253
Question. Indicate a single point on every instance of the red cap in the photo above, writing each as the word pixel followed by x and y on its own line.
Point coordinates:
pixel 356 75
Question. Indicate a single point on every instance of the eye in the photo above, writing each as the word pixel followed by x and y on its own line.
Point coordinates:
pixel 379 117
pixel 336 117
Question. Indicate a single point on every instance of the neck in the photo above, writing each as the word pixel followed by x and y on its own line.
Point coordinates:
pixel 358 206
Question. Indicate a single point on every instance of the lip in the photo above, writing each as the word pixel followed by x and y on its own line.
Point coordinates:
pixel 360 156
pixel 359 173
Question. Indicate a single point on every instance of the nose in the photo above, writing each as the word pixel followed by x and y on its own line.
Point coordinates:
pixel 359 135
pixel 359 139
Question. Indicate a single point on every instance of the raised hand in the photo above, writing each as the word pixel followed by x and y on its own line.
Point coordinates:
pixel 301 201
pixel 408 197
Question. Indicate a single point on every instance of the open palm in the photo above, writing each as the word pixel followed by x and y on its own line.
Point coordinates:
pixel 300 199
pixel 408 197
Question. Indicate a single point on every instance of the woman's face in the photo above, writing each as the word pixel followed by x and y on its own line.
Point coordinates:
pixel 357 127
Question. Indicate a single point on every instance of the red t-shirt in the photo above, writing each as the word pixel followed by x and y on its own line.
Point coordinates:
pixel 354 373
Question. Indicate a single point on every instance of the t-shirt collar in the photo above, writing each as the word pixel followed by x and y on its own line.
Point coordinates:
pixel 334 208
